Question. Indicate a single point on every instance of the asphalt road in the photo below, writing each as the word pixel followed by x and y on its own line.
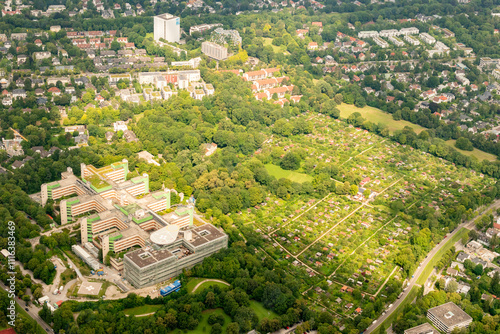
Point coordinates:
pixel 418 272
pixel 32 311
pixel 413 280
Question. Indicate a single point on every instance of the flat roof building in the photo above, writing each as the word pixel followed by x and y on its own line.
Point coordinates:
pixel 215 51
pixel 168 27
pixel 448 316
pixel 117 212
pixel 422 329
pixel 153 265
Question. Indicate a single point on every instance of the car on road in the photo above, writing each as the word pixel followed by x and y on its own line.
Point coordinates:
pixel 26 309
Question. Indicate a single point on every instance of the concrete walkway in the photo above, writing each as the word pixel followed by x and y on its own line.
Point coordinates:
pixel 210 280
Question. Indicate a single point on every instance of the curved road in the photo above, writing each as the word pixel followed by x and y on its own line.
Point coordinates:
pixel 209 280
pixel 418 272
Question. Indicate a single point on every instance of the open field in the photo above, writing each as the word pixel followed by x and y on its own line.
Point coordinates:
pixel 279 172
pixel 144 309
pixel 276 49
pixel 376 116
pixel 449 243
pixel 210 283
pixel 192 283
pixel 203 327
pixel 261 311
pixel 480 155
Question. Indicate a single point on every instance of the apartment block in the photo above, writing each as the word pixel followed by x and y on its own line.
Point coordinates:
pixel 214 51
pixel 167 27
pixel 412 40
pixel 427 38
pixel 396 41
pixel 368 34
pixel 380 42
pixel 448 32
pixel 388 33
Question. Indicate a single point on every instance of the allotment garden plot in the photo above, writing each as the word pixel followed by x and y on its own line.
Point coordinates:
pixel 352 239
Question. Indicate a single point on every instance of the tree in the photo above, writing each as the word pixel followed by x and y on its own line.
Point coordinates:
pixel 330 108
pixel 338 98
pixel 464 144
pixel 495 284
pixel 397 206
pixel 233 328
pixel 478 269
pixel 216 329
pixel 291 161
pixel 397 115
pixel 115 46
pixel 452 286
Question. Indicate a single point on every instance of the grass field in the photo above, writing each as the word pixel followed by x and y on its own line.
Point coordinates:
pixel 208 284
pixel 203 327
pixel 376 116
pixel 276 49
pixel 430 266
pixel 279 172
pixel 261 311
pixel 480 155
pixel 413 293
pixel 192 283
pixel 144 309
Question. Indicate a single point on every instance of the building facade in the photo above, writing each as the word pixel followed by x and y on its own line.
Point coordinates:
pixel 214 51
pixel 148 266
pixel 168 27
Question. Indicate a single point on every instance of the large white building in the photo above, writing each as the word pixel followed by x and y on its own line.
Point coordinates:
pixel 396 41
pixel 412 40
pixel 408 31
pixel 215 51
pixel 388 33
pixel 380 42
pixel 448 316
pixel 167 27
pixel 427 38
pixel 367 34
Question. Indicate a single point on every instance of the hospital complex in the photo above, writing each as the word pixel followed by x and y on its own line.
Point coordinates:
pixel 147 239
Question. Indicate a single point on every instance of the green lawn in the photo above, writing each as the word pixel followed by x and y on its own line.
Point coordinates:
pixel 203 327
pixel 276 49
pixel 144 309
pixel 480 155
pixel 261 311
pixel 449 243
pixel 279 172
pixel 192 283
pixel 390 319
pixel 376 116
pixel 208 284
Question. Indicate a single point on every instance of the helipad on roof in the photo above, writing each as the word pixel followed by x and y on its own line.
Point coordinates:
pixel 165 235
